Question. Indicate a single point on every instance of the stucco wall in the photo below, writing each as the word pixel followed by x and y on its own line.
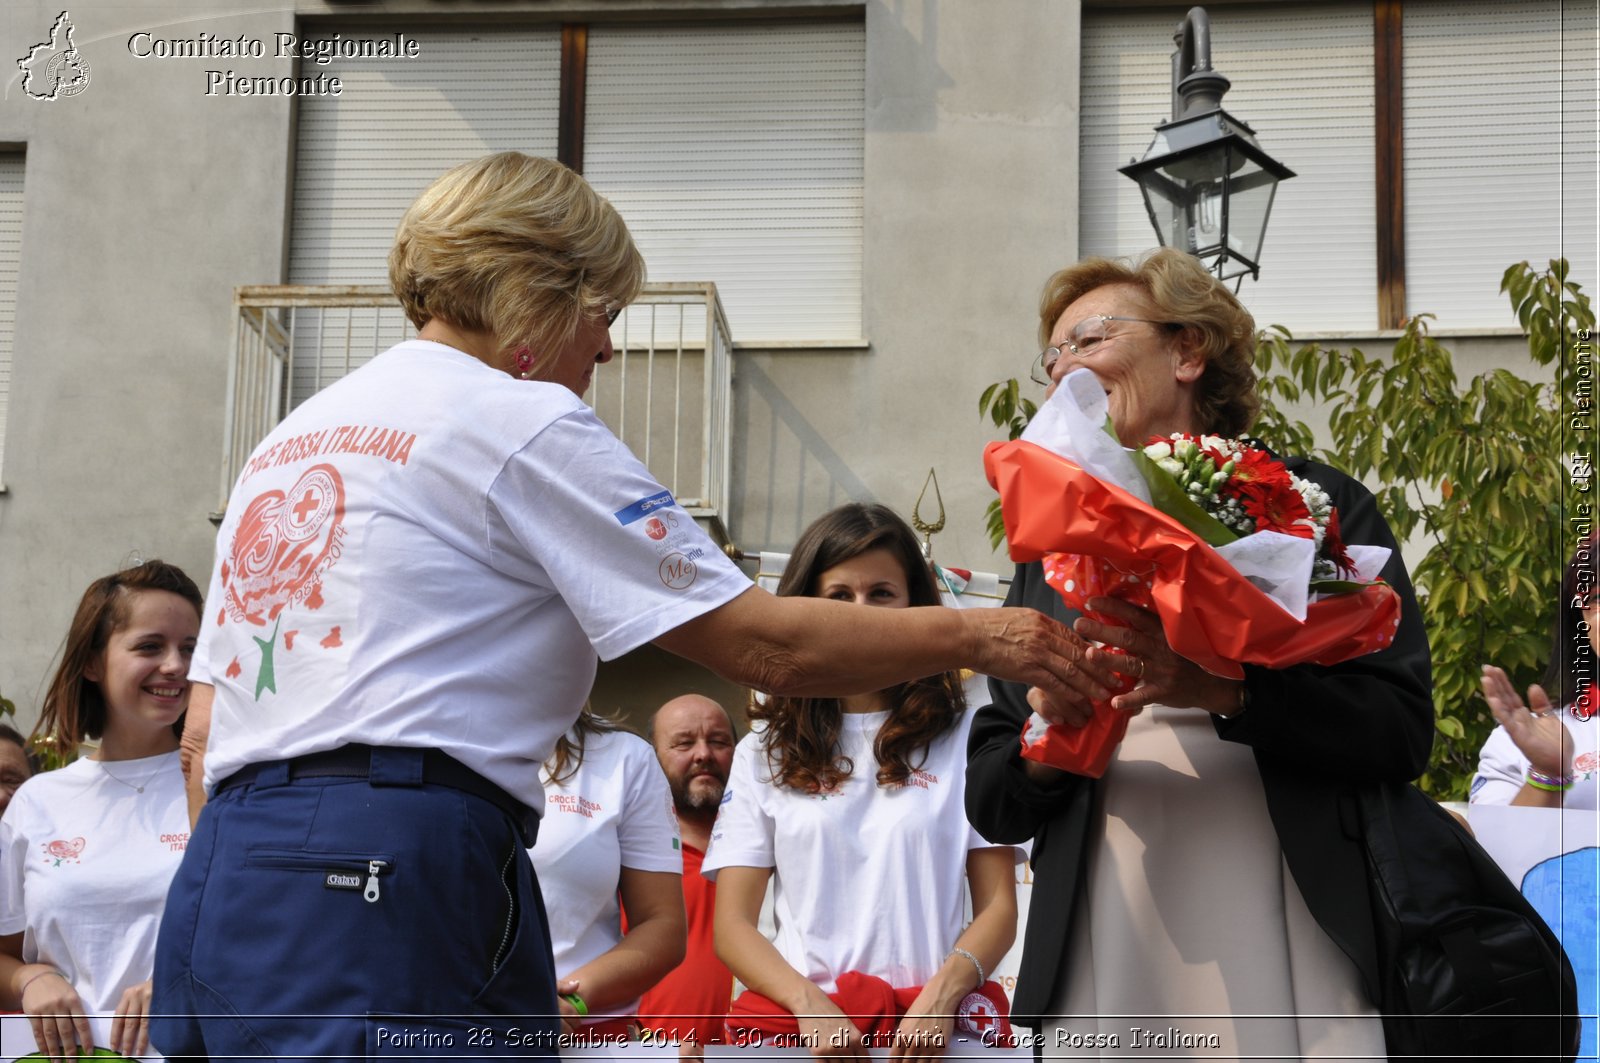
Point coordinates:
pixel 146 202
pixel 971 179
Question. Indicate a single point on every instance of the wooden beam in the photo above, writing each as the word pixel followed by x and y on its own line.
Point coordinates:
pixel 574 75
pixel 1390 132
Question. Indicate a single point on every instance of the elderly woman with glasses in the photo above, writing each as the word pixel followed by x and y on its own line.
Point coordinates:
pixel 1201 896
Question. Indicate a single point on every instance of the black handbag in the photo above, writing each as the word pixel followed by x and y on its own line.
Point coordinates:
pixel 1467 968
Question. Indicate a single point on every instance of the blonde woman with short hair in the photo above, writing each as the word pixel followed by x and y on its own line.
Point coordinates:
pixel 416 573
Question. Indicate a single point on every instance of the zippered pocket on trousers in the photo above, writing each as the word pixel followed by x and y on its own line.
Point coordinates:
pixel 340 871
pixel 508 882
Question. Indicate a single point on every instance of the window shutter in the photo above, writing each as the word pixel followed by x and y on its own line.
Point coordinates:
pixel 1500 167
pixel 363 156
pixel 1303 80
pixel 11 166
pixel 735 153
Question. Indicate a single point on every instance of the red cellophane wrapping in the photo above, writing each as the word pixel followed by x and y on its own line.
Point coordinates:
pixel 1210 613
pixel 1087 750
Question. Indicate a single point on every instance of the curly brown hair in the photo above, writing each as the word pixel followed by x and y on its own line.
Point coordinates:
pixel 1180 290
pixel 74 708
pixel 802 734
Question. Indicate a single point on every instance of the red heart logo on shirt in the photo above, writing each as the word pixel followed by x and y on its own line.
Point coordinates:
pixel 282 545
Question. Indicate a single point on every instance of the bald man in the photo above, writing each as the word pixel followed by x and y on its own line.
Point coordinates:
pixel 693 738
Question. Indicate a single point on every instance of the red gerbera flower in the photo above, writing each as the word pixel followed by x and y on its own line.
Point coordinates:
pixel 1333 544
pixel 1278 509
pixel 1255 467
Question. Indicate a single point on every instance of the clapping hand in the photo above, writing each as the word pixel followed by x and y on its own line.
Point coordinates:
pixel 1535 727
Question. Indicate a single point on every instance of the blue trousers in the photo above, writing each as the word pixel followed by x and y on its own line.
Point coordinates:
pixel 354 918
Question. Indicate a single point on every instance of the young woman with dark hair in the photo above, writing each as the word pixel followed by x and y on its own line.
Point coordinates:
pixel 609 841
pixel 87 851
pixel 852 809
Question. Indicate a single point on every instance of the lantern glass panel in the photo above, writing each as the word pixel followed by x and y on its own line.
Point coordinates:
pixel 1250 198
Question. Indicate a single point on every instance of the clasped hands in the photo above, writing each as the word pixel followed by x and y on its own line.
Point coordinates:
pixel 1164 676
pixel 922 1033
pixel 61 1028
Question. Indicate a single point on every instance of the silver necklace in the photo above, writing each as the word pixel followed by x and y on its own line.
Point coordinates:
pixel 139 789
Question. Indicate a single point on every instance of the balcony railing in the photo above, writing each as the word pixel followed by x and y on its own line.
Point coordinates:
pixel 666 395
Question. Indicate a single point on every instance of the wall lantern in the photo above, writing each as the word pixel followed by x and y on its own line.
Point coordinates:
pixel 1207 184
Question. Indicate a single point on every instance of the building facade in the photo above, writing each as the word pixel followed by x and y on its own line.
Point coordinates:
pixel 876 188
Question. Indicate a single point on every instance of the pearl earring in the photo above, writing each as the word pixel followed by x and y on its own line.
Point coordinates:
pixel 524 362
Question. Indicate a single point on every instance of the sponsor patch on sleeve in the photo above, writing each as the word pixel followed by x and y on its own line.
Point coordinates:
pixel 644 507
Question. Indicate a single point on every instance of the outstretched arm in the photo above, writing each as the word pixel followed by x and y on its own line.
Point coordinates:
pixel 820 648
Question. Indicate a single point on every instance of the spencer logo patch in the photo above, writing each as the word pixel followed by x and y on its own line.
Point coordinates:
pixel 341 880
pixel 643 508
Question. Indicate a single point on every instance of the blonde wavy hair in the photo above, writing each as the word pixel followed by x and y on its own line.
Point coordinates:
pixel 517 246
pixel 1181 291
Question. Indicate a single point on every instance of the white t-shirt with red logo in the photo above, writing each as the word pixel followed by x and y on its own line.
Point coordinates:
pixel 865 878
pixel 85 861
pixel 614 812
pixel 1502 768
pixel 430 553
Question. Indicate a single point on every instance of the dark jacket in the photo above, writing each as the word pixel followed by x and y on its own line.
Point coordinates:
pixel 1316 731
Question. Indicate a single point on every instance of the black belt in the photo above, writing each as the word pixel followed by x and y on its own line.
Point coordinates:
pixel 438 769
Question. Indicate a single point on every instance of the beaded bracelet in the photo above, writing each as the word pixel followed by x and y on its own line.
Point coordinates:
pixel 959 951
pixel 1554 784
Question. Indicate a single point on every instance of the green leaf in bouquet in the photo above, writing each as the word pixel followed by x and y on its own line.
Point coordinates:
pixel 1339 586
pixel 1169 498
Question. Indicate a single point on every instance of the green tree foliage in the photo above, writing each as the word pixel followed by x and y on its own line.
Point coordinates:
pixel 1473 469
pixel 1005 405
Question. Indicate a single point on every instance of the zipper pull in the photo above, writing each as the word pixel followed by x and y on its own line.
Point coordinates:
pixel 374 869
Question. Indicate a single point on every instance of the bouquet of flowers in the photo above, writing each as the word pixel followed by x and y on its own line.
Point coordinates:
pixel 1241 560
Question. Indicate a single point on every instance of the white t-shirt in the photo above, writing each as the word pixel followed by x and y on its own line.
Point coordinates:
pixel 1502 769
pixel 419 547
pixel 865 878
pixel 85 862
pixel 614 812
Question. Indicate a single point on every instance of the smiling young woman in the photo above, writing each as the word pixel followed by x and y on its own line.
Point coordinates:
pixel 86 852
pixel 831 800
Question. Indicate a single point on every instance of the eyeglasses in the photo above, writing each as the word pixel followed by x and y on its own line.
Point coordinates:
pixel 1083 340
pixel 612 315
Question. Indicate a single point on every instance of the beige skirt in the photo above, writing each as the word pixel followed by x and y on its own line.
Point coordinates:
pixel 1192 940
